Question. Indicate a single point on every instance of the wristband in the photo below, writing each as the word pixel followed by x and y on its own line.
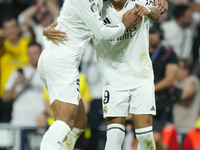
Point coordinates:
pixel 149 11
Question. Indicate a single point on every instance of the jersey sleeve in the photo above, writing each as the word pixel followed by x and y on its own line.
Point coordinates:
pixel 88 12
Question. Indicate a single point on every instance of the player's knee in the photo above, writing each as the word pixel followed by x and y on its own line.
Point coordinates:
pixel 69 122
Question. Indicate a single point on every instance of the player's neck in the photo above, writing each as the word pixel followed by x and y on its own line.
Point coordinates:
pixel 118 5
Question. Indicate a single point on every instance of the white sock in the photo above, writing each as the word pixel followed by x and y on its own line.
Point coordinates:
pixel 115 136
pixel 145 138
pixel 71 139
pixel 54 136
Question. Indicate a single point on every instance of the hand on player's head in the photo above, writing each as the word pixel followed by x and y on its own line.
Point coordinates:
pixel 54 35
pixel 130 19
pixel 162 5
pixel 140 10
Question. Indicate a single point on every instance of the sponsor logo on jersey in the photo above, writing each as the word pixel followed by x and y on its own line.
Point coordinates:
pixel 128 34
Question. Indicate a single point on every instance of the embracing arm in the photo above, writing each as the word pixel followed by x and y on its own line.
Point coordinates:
pixel 154 15
pixel 150 11
pixel 92 19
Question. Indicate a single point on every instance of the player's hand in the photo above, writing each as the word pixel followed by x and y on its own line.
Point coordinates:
pixel 54 35
pixel 140 10
pixel 163 4
pixel 130 19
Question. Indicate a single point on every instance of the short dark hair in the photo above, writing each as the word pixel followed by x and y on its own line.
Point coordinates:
pixel 8 18
pixel 179 10
pixel 156 28
pixel 187 64
pixel 35 44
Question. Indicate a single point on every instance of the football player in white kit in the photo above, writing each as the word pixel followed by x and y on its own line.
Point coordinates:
pixel 127 73
pixel 58 66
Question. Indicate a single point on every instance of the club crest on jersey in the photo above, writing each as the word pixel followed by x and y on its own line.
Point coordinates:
pixel 78 97
pixel 105 109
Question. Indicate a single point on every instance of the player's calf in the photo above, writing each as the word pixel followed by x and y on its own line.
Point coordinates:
pixel 79 126
pixel 145 138
pixel 115 136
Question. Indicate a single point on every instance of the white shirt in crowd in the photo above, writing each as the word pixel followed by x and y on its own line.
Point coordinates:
pixel 180 38
pixel 124 62
pixel 29 103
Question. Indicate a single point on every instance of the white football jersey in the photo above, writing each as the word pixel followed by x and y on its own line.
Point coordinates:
pixel 124 62
pixel 81 20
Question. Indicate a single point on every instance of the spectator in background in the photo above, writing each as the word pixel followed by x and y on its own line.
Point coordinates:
pixel 11 7
pixel 186 110
pixel 45 12
pixel 28 107
pixel 165 66
pixel 13 55
pixel 89 68
pixel 180 31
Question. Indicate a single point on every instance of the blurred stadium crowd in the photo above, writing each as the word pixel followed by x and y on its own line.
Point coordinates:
pixel 25 112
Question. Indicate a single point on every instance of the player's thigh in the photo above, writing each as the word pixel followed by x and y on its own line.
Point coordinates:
pixel 62 79
pixel 142 105
pixel 64 111
pixel 115 103
pixel 143 100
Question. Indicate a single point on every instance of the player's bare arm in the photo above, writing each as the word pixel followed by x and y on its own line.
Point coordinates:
pixel 162 5
pixel 150 11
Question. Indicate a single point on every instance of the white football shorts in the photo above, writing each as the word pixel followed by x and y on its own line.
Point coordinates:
pixel 61 78
pixel 135 101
